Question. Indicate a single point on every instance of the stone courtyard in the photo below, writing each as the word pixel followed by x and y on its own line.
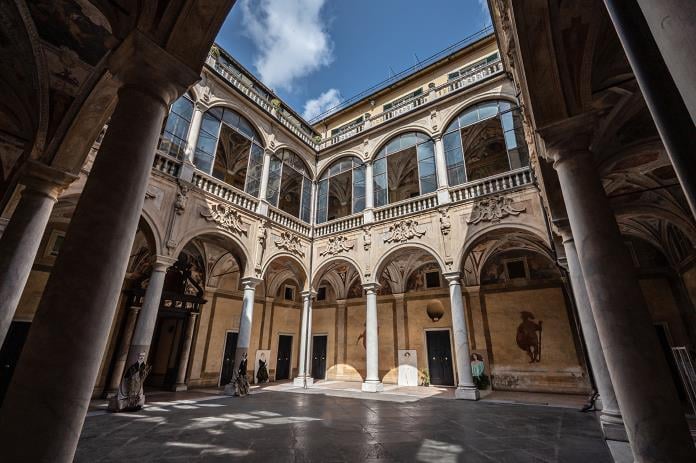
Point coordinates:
pixel 282 423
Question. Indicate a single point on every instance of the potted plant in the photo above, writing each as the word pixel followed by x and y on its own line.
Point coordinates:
pixel 215 51
pixel 317 138
pixel 275 102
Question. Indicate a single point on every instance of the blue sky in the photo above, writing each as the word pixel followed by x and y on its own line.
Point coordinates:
pixel 316 53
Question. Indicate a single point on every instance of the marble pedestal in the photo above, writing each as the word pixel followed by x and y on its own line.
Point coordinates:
pixel 466 393
pixel 300 381
pixel 372 386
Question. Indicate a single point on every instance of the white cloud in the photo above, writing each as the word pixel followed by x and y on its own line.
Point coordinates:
pixel 321 104
pixel 291 38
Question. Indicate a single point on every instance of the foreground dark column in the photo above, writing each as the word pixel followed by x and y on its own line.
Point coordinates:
pixel 20 240
pixel 652 413
pixel 610 418
pixel 45 406
pixel 666 104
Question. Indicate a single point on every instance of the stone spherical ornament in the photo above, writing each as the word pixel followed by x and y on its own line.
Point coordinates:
pixel 435 311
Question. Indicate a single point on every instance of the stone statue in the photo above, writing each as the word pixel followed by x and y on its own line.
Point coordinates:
pixel 262 373
pixel 239 386
pixel 130 395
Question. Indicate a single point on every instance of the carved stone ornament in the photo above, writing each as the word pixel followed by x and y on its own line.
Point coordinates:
pixel 181 199
pixel 290 243
pixel 226 217
pixel 445 223
pixel 403 231
pixel 337 245
pixel 493 209
pixel 367 238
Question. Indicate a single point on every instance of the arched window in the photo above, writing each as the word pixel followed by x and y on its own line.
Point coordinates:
pixel 484 140
pixel 404 168
pixel 175 133
pixel 289 185
pixel 341 190
pixel 230 149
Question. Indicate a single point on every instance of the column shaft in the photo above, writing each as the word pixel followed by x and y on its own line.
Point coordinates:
pixel 194 131
pixel 145 328
pixel 18 246
pixel 263 187
pixel 651 410
pixel 62 354
pixel 465 381
pixel 441 170
pixel 667 106
pixel 368 216
pixel 247 316
pixel 611 416
pixel 185 353
pixel 303 376
pixel 372 382
pixel 123 349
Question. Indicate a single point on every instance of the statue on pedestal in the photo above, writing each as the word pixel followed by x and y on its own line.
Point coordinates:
pixel 130 395
pixel 239 386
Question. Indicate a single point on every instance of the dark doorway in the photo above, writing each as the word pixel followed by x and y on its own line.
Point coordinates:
pixel 228 358
pixel 284 355
pixel 165 351
pixel 440 358
pixel 319 357
pixel 9 354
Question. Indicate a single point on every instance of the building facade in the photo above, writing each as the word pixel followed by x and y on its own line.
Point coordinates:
pixel 358 231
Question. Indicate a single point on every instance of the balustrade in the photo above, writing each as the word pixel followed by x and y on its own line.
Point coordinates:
pixel 339 225
pixel 224 191
pixel 166 165
pixel 288 221
pixel 406 207
pixel 495 184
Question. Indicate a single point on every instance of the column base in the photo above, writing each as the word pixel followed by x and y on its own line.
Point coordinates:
pixel 299 381
pixel 372 385
pixel 613 427
pixel 443 196
pixel 180 387
pixel 109 394
pixel 466 393
pixel 620 451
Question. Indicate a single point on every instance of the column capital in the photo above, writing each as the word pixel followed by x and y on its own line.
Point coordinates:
pixel 250 282
pixel 162 263
pixel 44 179
pixel 308 294
pixel 563 227
pixel 564 138
pixel 371 287
pixel 471 289
pixel 341 303
pixel 453 278
pixel 141 63
pixel 398 296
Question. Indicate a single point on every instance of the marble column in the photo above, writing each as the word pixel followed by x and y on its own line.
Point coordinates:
pixel 642 27
pixel 122 353
pixel 303 375
pixel 20 240
pixel 673 24
pixel 341 306
pixel 145 327
pixel 653 415
pixel 610 418
pixel 185 353
pixel 244 337
pixel 441 169
pixel 369 214
pixel 194 131
pixel 262 208
pixel 63 352
pixel 372 382
pixel 465 381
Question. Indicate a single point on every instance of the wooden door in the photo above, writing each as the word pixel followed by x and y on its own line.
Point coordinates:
pixel 284 356
pixel 439 358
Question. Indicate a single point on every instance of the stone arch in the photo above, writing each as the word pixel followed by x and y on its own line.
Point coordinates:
pixel 225 240
pixel 476 254
pixel 456 110
pixel 389 136
pixel 298 267
pixel 325 163
pixel 154 229
pixel 300 154
pixel 394 268
pixel 341 279
pixel 243 112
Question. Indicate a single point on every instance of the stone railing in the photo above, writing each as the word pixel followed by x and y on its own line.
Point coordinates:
pixel 166 164
pixel 224 191
pixel 339 225
pixel 472 77
pixel 262 102
pixel 406 207
pixel 288 221
pixel 495 184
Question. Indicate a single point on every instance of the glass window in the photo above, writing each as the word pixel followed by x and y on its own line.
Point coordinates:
pixel 289 187
pixel 341 190
pixel 404 168
pixel 175 132
pixel 477 144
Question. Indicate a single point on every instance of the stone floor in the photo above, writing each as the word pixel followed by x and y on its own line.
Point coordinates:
pixel 321 424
